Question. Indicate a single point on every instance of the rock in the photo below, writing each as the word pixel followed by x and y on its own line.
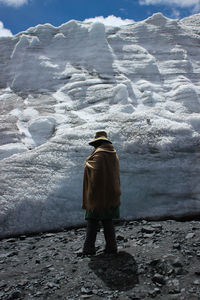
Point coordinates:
pixel 79 252
pixel 176 297
pixel 147 229
pixel 191 291
pixel 95 291
pixel 174 286
pixel 37 261
pixel 15 295
pixel 190 235
pixel 170 272
pixel 198 253
pixel 52 285
pixel 38 294
pixel 22 237
pixel 120 238
pixel 23 283
pixel 144 222
pixel 177 262
pixel 177 246
pixel 196 282
pixel 187 252
pixel 180 271
pixel 85 296
pixel 5 255
pixel 157 226
pixel 11 240
pixel 3 284
pixel 48 235
pixel 86 291
pixel 155 261
pixel 197 272
pixel 148 235
pixel 158 278
pixel 141 270
pixel 153 293
pixel 2 295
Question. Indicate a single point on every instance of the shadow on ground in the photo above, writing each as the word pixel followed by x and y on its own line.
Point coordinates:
pixel 117 271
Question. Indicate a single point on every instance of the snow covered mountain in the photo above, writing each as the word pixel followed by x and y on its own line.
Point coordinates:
pixel 58 85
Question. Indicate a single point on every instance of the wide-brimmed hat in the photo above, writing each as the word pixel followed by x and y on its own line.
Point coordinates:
pixel 100 135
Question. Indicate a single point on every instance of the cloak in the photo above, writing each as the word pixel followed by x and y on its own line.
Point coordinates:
pixel 101 181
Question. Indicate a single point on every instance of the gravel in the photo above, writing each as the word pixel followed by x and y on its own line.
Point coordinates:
pixel 156 260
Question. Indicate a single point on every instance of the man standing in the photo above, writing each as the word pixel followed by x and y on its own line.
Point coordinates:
pixel 101 193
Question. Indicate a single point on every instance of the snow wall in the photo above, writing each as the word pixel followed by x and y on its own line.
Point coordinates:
pixel 58 85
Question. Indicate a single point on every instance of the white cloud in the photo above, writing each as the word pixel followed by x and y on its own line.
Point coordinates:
pixel 175 13
pixel 15 3
pixel 179 3
pixel 110 21
pixel 197 8
pixel 4 31
pixel 192 5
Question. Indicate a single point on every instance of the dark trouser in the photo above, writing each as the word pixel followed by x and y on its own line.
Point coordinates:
pixel 91 233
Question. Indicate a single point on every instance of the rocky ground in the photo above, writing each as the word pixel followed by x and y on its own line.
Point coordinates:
pixel 158 260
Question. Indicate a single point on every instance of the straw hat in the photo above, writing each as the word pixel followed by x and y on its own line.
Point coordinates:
pixel 100 135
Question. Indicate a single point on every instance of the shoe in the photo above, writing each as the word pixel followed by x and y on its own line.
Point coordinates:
pixel 91 251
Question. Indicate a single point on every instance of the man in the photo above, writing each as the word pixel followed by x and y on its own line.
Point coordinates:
pixel 101 193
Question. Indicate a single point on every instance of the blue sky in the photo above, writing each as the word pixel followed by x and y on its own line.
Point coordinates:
pixel 18 15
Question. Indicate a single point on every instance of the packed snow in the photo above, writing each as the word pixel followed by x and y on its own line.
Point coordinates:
pixel 59 85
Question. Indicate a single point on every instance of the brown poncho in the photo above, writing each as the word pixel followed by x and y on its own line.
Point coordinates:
pixel 101 182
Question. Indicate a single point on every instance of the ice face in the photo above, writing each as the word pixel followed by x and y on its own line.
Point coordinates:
pixel 58 85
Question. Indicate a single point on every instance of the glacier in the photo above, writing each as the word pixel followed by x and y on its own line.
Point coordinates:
pixel 58 85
